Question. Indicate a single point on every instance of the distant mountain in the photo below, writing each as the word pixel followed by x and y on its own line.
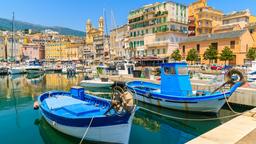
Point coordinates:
pixel 6 24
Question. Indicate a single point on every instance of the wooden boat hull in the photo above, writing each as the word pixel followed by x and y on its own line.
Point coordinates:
pixel 111 134
pixel 96 84
pixel 150 93
pixel 211 106
pixel 112 128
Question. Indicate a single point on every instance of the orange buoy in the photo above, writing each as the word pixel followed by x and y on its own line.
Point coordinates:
pixel 36 105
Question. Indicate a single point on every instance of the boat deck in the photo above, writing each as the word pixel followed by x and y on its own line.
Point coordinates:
pixel 67 106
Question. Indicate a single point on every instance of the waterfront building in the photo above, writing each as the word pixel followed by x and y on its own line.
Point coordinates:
pixel 63 51
pixel 72 52
pixel 32 51
pixel 3 48
pixel 252 28
pixel 156 29
pixel 14 48
pixel 238 41
pixel 93 34
pixel 242 18
pixel 54 51
pixel 192 25
pixel 203 18
pixel 119 42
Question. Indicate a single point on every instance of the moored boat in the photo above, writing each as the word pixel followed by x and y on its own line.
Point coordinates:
pixel 97 83
pixel 17 70
pixel 175 91
pixel 34 67
pixel 86 116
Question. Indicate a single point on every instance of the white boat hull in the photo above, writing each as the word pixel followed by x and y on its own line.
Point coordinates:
pixel 98 84
pixel 17 71
pixel 201 106
pixel 111 134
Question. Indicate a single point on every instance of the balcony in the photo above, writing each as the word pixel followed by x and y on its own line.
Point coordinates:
pixel 157 44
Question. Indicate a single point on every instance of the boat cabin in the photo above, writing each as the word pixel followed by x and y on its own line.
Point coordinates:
pixel 175 79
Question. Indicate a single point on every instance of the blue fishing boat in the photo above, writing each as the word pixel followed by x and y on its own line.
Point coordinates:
pixel 85 116
pixel 175 90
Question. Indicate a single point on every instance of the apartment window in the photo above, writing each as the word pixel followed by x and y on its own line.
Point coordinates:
pixel 215 45
pixel 158 51
pixel 232 44
pixel 183 49
pixel 146 31
pixel 164 51
pixel 153 51
pixel 198 48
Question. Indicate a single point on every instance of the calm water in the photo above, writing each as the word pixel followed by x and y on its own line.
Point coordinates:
pixel 19 123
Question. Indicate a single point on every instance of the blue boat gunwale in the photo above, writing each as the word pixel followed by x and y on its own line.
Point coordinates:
pixel 99 120
pixel 217 95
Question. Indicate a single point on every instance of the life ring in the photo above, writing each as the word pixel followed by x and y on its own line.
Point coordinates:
pixel 232 76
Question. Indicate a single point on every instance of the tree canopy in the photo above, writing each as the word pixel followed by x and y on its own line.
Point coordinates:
pixel 192 55
pixel 211 53
pixel 176 55
pixel 251 54
pixel 226 55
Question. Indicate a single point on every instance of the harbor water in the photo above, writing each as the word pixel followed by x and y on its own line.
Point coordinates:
pixel 19 123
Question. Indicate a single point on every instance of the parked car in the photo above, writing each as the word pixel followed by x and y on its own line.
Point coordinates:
pixel 216 67
pixel 227 67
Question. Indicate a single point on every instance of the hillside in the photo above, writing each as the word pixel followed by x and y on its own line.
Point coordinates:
pixel 6 24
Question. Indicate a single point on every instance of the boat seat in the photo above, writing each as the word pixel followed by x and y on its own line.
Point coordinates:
pixel 80 109
pixel 57 102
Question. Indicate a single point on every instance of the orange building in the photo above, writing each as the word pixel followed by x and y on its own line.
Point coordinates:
pixel 239 41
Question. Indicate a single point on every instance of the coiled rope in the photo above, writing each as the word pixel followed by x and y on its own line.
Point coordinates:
pixel 86 131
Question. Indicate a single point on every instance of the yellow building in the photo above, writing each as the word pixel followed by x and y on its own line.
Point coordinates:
pixel 238 41
pixel 63 51
pixel 92 32
pixel 55 51
pixel 195 5
pixel 202 18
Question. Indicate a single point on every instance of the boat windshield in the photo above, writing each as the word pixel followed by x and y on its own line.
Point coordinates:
pixel 182 70
pixel 169 70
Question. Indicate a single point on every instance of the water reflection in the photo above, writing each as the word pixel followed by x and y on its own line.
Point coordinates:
pixel 17 116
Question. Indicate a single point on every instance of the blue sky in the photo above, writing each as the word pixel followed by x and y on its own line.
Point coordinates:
pixel 74 13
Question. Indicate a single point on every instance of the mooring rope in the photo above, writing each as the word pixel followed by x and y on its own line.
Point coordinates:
pixel 229 106
pixel 86 131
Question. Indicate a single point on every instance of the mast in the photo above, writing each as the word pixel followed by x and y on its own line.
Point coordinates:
pixel 104 14
pixel 12 35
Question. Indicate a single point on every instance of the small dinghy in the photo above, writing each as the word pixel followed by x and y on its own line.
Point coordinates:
pixel 89 117
pixel 175 90
pixel 97 83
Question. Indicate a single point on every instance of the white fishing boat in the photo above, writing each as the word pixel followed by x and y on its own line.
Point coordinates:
pixel 34 67
pixel 97 83
pixel 17 70
pixel 85 116
pixel 175 90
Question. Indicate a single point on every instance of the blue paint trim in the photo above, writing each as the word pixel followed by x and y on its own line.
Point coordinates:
pixel 132 86
pixel 98 121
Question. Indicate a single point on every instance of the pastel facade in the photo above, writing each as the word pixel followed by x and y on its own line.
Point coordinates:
pixel 202 18
pixel 32 51
pixel 118 41
pixel 156 29
pixel 239 42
